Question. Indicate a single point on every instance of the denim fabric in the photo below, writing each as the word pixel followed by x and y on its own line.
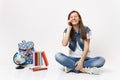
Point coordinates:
pixel 70 61
pixel 72 44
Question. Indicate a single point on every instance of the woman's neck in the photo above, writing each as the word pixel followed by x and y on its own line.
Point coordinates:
pixel 76 28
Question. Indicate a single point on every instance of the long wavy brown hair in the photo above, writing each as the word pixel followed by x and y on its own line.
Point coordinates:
pixel 81 26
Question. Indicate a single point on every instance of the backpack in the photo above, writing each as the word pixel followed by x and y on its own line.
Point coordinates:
pixel 25 53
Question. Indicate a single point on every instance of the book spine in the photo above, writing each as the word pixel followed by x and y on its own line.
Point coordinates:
pixel 35 58
pixel 38 58
pixel 45 58
pixel 41 61
pixel 37 69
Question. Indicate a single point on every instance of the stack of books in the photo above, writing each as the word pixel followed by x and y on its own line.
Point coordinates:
pixel 40 61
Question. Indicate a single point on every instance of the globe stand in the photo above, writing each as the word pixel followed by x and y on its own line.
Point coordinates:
pixel 20 67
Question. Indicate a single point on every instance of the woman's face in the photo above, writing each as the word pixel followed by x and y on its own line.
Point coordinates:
pixel 74 18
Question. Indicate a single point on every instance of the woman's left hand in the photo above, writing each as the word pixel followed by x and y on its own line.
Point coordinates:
pixel 79 66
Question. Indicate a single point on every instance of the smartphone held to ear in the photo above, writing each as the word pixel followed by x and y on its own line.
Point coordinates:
pixel 70 23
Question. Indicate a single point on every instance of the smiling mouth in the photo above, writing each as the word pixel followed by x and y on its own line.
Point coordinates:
pixel 74 21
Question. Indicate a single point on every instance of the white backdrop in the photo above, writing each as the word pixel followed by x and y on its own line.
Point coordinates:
pixel 43 21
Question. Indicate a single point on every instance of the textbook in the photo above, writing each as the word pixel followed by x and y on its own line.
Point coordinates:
pixel 44 58
pixel 40 61
pixel 37 68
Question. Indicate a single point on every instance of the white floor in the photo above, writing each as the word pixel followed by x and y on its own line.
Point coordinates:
pixel 55 72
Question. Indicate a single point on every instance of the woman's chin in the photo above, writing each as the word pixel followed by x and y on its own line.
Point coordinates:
pixel 74 24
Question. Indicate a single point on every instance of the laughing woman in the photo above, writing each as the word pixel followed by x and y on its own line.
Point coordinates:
pixel 77 38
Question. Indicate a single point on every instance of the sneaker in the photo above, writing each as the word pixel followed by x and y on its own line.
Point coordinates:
pixel 67 70
pixel 93 70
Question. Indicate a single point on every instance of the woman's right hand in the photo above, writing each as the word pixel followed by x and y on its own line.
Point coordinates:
pixel 67 34
pixel 69 24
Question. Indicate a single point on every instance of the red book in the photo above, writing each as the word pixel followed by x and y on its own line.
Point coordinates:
pixel 44 58
pixel 36 59
pixel 37 68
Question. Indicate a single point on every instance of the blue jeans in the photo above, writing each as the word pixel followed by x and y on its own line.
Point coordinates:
pixel 70 61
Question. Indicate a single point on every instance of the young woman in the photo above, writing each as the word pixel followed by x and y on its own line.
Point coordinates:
pixel 77 37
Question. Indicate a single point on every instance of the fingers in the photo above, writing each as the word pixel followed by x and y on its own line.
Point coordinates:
pixel 69 20
pixel 76 63
pixel 78 66
pixel 69 23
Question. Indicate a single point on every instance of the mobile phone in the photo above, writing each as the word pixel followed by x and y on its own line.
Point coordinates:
pixel 70 23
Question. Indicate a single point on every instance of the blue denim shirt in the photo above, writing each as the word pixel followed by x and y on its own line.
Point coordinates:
pixel 73 44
